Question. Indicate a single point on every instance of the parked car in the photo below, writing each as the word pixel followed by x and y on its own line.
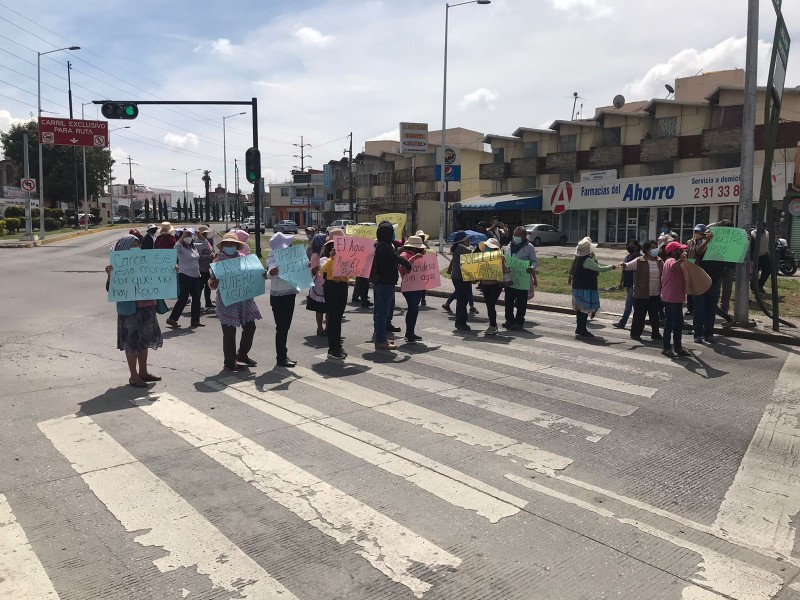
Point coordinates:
pixel 121 220
pixel 541 233
pixel 285 227
pixel 250 226
pixel 343 223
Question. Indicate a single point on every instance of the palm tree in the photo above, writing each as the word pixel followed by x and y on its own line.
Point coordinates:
pixel 207 183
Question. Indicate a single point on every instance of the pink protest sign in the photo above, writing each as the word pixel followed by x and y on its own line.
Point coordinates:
pixel 424 274
pixel 353 256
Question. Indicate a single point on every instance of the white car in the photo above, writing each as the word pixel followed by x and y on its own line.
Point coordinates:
pixel 250 225
pixel 541 233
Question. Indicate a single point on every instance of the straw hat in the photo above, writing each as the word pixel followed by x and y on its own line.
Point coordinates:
pixel 335 231
pixel 490 243
pixel 585 247
pixel 166 229
pixel 415 241
pixel 203 228
pixel 422 235
pixel 230 237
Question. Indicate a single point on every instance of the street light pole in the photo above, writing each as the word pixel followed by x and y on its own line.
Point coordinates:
pixel 442 195
pixel 39 134
pixel 225 163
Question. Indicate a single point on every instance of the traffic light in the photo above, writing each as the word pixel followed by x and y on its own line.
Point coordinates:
pixel 252 161
pixel 120 110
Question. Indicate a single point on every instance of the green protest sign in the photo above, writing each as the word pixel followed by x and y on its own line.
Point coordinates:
pixel 729 244
pixel 519 271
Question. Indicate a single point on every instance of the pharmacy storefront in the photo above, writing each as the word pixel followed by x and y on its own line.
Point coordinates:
pixel 614 211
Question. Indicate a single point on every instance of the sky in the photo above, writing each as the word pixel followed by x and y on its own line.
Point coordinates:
pixel 323 68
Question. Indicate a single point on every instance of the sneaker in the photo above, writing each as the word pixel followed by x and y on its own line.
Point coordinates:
pixel 392 329
pixel 173 323
pixel 463 328
pixel 473 310
pixel 198 324
pixel 236 367
pixel 680 351
pixel 698 339
pixel 286 362
pixel 492 330
pixel 322 332
pixel 337 354
pixel 410 339
pixel 424 302
pixel 618 326
pixel 668 353
pixel 585 334
pixel 387 345
pixel 507 325
pixel 243 358
pixel 637 339
pixel 709 339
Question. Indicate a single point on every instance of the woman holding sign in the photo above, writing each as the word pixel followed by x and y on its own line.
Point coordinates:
pixel 335 289
pixel 242 314
pixel 137 326
pixel 412 251
pixel 462 288
pixel 281 298
pixel 521 249
pixel 384 276
pixel 491 289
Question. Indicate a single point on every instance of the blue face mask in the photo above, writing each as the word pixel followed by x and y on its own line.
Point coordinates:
pixel 653 251
pixel 229 250
pixel 517 240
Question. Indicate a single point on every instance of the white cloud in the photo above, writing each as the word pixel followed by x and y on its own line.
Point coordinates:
pixel 728 54
pixel 188 141
pixel 593 8
pixel 220 47
pixel 483 98
pixel 393 135
pixel 6 120
pixel 312 37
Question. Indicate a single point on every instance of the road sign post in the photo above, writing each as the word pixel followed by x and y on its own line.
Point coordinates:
pixel 28 185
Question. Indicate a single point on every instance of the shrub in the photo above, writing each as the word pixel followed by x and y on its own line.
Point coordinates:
pixel 2 226
pixel 13 224
pixel 51 224
pixel 52 213
pixel 15 211
pixel 35 213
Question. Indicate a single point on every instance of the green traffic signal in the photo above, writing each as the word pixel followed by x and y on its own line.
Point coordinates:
pixel 120 110
pixel 252 161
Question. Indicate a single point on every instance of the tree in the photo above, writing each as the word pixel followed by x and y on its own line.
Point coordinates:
pixel 185 210
pixel 155 211
pixel 207 183
pixel 146 210
pixel 164 209
pixel 59 170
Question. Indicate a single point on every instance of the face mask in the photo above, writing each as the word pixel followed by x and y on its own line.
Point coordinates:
pixel 631 249
pixel 664 230
pixel 188 240
pixel 229 250
pixel 653 252
pixel 517 240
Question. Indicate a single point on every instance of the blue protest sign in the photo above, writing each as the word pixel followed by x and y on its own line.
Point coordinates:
pixel 239 278
pixel 142 275
pixel 293 267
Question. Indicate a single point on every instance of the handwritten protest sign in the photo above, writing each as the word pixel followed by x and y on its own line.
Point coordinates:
pixel 519 271
pixel 353 256
pixel 424 274
pixel 239 279
pixel 398 219
pixel 143 275
pixel 482 266
pixel 729 244
pixel 369 232
pixel 293 267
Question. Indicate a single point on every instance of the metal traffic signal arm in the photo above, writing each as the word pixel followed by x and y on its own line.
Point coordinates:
pixel 129 109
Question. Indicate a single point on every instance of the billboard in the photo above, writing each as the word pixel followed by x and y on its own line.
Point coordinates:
pixel 413 138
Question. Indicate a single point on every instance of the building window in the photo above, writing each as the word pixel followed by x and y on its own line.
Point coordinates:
pixel 729 161
pixel 286 192
pixel 611 136
pixel 498 155
pixel 530 149
pixel 666 127
pixel 568 143
pixel 732 116
pixel 664 167
pixel 566 176
pixel 529 183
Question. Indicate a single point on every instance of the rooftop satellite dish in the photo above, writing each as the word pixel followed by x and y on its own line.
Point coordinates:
pixel 670 89
pixel 619 101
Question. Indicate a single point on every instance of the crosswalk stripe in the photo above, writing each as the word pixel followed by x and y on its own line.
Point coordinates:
pixel 142 502
pixel 566 374
pixel 436 422
pixel 544 390
pixel 446 483
pixel 388 546
pixel 520 412
pixel 21 573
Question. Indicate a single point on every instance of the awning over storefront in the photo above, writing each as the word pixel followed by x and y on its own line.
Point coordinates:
pixel 500 202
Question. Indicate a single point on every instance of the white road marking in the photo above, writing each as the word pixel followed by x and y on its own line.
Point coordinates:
pixel 21 573
pixel 537 459
pixel 545 390
pixel 566 374
pixel 142 502
pixel 446 483
pixel 513 410
pixel 723 575
pixel 760 505
pixel 388 546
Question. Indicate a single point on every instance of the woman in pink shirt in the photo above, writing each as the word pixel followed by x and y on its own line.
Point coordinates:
pixel 673 295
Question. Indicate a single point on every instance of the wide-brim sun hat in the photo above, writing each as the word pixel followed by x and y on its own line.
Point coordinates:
pixel 151 227
pixel 203 228
pixel 490 243
pixel 585 247
pixel 415 241
pixel 334 232
pixel 422 235
pixel 166 229
pixel 230 237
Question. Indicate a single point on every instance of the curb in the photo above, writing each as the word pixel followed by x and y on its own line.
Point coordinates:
pixel 50 240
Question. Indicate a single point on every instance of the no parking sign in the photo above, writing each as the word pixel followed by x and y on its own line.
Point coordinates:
pixel 28 185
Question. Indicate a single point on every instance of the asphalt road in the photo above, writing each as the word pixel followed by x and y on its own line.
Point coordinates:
pixel 525 466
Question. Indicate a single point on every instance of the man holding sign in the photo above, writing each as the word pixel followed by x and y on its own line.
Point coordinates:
pixel 517 296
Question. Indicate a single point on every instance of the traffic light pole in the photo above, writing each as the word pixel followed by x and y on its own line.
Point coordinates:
pixel 253 103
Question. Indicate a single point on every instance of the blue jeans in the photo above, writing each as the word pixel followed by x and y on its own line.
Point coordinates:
pixel 673 326
pixel 383 294
pixel 628 307
pixel 412 299
pixel 705 311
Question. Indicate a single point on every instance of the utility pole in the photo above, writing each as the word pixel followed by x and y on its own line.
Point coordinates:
pixel 74 151
pixel 742 295
pixel 352 188
pixel 302 156
pixel 27 173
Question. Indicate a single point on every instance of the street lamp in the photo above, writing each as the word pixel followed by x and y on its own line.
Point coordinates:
pixel 39 56
pixel 225 165
pixel 442 201
pixel 110 177
pixel 186 183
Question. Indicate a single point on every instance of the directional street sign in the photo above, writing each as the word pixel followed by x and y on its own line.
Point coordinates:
pixel 28 185
pixel 73 132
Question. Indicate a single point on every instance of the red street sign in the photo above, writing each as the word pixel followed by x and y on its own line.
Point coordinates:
pixel 73 132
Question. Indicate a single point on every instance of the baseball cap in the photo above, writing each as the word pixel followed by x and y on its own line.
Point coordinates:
pixel 672 246
pixel 700 228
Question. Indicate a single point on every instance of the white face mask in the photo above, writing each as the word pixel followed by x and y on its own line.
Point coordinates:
pixel 188 240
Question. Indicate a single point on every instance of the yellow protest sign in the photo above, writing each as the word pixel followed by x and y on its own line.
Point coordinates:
pixel 362 231
pixel 398 219
pixel 482 266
